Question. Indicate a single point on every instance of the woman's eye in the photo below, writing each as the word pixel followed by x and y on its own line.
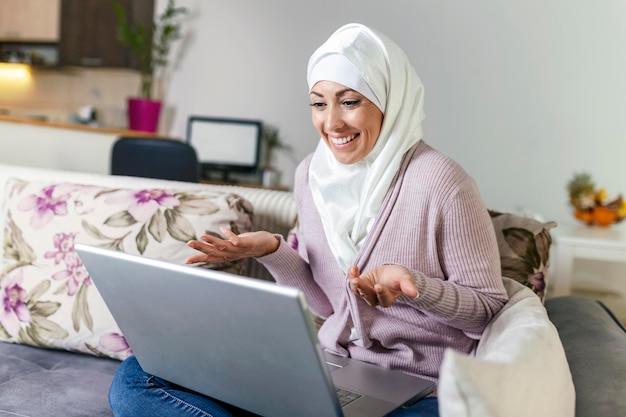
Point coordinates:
pixel 317 105
pixel 351 103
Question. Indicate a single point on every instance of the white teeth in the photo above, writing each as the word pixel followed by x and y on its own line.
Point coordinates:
pixel 342 141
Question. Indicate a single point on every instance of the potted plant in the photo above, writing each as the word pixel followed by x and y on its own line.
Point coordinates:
pixel 271 141
pixel 150 46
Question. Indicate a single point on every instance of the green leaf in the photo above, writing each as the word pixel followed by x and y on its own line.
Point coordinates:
pixel 121 219
pixel 29 336
pixel 178 226
pixel 3 333
pixel 241 204
pixel 80 309
pixel 105 192
pixel 118 244
pixel 93 231
pixel 196 205
pixel 142 240
pixel 41 329
pixel 234 227
pixel 15 246
pixel 157 226
pixel 95 351
pixel 61 289
pixel 45 308
pixel 38 290
pixel 150 45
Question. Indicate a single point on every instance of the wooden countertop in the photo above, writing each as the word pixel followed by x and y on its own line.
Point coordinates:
pixel 77 126
pixel 247 185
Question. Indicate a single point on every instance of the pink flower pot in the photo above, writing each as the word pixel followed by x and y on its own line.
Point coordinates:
pixel 143 114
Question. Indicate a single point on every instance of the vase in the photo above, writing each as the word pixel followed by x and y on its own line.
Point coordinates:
pixel 270 177
pixel 143 114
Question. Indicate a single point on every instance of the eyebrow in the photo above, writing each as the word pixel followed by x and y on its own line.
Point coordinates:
pixel 337 94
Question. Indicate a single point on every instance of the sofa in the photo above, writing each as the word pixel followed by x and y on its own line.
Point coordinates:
pixel 60 347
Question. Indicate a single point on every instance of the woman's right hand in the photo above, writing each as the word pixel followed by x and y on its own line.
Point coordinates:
pixel 234 247
pixel 381 286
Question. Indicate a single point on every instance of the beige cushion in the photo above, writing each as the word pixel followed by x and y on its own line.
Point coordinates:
pixel 49 299
pixel 519 370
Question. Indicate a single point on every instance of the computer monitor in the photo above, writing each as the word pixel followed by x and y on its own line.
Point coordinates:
pixel 225 145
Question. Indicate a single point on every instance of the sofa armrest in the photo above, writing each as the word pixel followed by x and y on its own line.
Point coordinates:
pixel 595 343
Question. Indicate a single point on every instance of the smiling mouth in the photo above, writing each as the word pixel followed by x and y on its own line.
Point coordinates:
pixel 343 141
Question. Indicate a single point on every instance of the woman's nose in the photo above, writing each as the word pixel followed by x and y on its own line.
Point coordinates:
pixel 333 120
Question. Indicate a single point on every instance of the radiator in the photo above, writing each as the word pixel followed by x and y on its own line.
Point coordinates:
pixel 274 211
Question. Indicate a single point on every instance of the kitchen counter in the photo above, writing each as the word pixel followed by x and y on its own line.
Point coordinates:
pixel 75 126
pixel 28 141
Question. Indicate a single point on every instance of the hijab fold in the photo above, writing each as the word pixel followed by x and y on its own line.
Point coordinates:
pixel 348 197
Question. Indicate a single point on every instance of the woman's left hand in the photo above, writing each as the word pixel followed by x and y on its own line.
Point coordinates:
pixel 382 285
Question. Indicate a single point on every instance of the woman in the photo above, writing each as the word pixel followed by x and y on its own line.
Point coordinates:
pixel 396 250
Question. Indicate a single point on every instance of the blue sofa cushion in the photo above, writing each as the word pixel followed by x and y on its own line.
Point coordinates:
pixel 36 382
pixel 595 346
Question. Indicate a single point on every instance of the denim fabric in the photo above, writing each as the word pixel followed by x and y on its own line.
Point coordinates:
pixel 428 407
pixel 135 393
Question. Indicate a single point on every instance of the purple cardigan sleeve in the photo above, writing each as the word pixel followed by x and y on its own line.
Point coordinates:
pixel 472 292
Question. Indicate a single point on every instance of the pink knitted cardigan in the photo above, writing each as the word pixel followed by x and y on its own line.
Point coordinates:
pixel 433 222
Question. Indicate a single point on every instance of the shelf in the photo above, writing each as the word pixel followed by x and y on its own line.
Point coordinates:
pixel 118 131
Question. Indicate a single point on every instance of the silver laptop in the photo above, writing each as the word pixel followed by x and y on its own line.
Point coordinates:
pixel 247 342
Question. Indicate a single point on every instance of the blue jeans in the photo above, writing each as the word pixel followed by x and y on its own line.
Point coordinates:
pixel 135 393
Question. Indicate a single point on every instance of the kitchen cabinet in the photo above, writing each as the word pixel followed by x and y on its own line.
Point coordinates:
pixel 32 21
pixel 89 30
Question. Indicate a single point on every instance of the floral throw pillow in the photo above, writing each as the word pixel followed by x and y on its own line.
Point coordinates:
pixel 47 295
pixel 524 245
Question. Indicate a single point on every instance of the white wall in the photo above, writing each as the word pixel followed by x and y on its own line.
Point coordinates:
pixel 521 93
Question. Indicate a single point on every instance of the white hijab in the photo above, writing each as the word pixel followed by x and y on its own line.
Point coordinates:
pixel 348 197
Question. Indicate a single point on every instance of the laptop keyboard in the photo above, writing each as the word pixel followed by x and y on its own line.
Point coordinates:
pixel 346 397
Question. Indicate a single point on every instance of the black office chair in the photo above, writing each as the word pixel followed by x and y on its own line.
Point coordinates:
pixel 155 158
